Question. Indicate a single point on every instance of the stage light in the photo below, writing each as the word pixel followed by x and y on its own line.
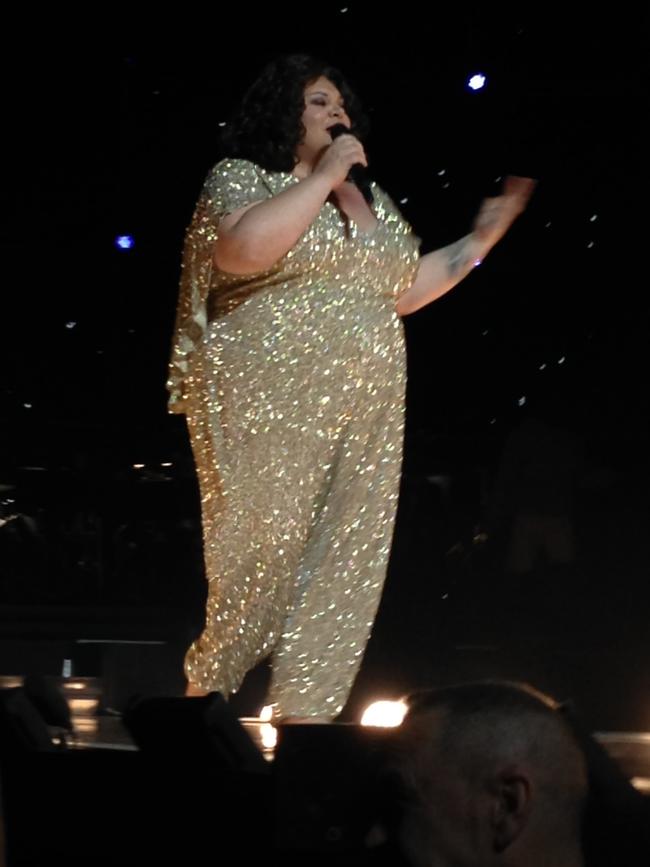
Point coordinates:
pixel 266 714
pixel 268 732
pixel 385 714
pixel 125 242
pixel 477 81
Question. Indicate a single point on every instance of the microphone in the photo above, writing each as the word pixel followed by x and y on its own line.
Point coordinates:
pixel 358 173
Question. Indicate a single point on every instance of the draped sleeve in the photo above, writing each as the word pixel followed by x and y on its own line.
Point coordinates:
pixel 230 185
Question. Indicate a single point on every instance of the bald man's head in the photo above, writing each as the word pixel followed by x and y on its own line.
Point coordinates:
pixel 486 769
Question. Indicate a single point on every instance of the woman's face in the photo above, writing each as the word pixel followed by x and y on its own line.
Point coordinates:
pixel 324 108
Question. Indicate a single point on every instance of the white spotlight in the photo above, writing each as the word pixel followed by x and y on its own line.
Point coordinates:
pixel 386 714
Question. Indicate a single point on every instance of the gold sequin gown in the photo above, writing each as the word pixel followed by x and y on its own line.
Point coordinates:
pixel 292 382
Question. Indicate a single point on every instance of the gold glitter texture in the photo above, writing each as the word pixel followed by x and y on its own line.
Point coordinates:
pixel 292 381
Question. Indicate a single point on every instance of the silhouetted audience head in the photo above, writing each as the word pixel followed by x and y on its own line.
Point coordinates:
pixel 488 774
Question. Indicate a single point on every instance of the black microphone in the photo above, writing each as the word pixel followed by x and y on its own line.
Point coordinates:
pixel 358 173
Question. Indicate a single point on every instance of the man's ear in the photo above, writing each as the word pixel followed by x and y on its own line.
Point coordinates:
pixel 511 793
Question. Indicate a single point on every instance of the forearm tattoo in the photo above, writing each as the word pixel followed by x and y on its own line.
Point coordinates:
pixel 458 257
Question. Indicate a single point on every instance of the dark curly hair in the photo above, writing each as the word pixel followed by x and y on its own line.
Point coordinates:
pixel 267 128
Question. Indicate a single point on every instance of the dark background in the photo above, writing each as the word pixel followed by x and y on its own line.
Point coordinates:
pixel 111 129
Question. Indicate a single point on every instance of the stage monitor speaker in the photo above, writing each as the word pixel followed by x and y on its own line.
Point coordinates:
pixel 326 786
pixel 195 728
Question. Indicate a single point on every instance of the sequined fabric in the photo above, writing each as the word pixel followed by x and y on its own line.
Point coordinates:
pixel 292 381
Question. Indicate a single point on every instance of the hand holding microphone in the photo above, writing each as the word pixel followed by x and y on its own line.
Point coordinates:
pixel 348 156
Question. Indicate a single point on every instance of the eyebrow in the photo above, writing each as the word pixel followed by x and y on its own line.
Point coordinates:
pixel 323 93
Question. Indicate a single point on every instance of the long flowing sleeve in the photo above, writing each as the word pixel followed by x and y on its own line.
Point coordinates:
pixel 230 185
